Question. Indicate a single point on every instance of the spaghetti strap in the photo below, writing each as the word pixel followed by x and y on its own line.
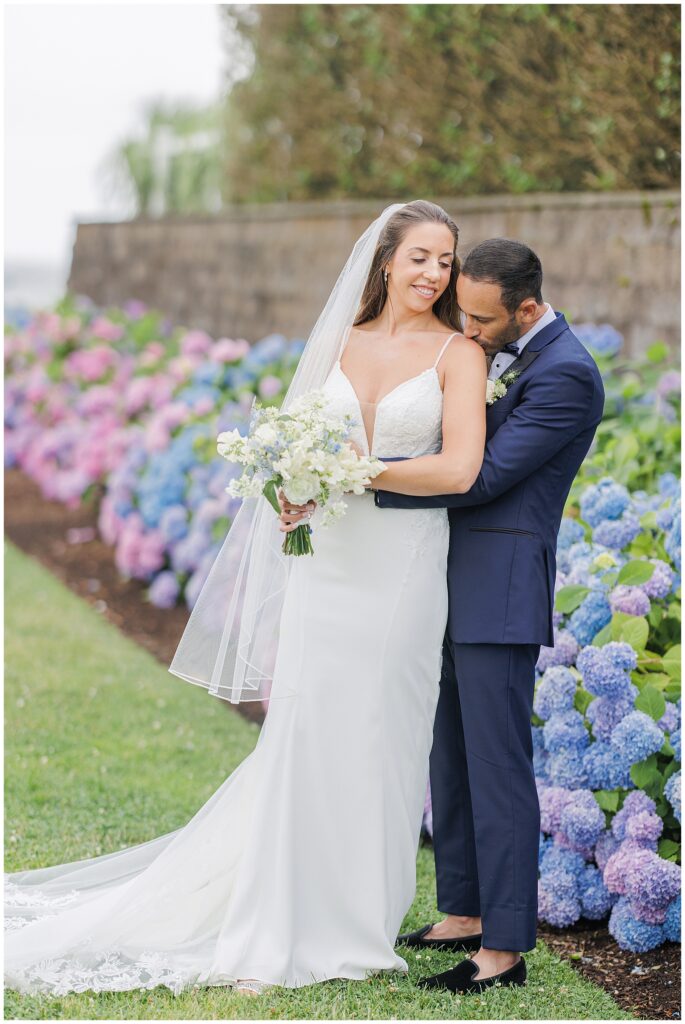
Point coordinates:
pixel 345 338
pixel 443 349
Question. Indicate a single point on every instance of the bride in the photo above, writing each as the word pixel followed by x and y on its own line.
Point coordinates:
pixel 302 865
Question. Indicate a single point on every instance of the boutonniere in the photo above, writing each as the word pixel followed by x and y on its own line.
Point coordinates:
pixel 495 389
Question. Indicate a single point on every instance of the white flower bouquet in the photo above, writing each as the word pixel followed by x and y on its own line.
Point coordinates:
pixel 306 452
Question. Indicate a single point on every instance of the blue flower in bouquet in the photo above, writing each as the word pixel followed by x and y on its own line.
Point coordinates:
pixel 630 600
pixel 164 590
pixel 555 692
pixel 602 339
pixel 567 769
pixel 635 803
pixel 673 540
pixel 564 652
pixel 565 732
pixel 595 899
pixel 672 920
pixel 582 820
pixel 570 532
pixel 605 713
pixel 606 670
pixel 670 719
pixel 638 736
pixel 674 740
pixel 603 500
pixel 590 617
pixel 661 580
pixel 618 533
pixel 668 485
pixel 630 933
pixel 606 767
pixel 672 793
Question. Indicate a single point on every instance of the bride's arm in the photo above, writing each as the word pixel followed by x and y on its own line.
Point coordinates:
pixel 457 466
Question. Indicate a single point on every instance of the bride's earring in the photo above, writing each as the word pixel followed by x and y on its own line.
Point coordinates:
pixel 385 277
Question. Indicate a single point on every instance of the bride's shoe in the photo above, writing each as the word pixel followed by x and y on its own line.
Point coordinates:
pixel 251 986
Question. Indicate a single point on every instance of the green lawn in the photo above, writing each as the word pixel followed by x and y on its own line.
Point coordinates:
pixel 104 748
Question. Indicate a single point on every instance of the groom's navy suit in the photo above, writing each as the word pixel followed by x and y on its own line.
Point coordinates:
pixel 501 572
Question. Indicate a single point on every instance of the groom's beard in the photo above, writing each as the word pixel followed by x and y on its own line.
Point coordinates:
pixel 512 332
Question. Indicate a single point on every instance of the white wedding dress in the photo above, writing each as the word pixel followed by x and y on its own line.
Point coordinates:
pixel 302 865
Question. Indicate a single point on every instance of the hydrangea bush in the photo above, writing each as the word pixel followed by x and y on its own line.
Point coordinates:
pixel 606 724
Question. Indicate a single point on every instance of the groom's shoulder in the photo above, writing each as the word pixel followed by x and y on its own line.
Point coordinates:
pixel 567 356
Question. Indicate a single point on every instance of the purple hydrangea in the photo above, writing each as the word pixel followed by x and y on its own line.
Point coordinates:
pixel 674 740
pixel 595 899
pixel 558 902
pixel 605 713
pixel 164 590
pixel 630 600
pixel 606 767
pixel 552 799
pixel 603 500
pixel 564 651
pixel 630 933
pixel 635 803
pixel 555 692
pixel 670 718
pixel 672 920
pixel 661 581
pixel 617 533
pixel 582 820
pixel 590 617
pixel 652 882
pixel 629 859
pixel 604 847
pixel 605 670
pixel 565 732
pixel 638 736
pixel 665 517
pixel 672 793
pixel 644 828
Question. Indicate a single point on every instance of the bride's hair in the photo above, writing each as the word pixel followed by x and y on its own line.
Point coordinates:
pixel 375 290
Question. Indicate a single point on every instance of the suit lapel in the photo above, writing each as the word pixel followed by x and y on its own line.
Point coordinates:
pixel 521 362
pixel 536 345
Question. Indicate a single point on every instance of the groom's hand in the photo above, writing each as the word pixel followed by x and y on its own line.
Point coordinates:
pixel 293 515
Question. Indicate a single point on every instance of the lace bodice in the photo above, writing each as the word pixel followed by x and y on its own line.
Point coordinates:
pixel 407 421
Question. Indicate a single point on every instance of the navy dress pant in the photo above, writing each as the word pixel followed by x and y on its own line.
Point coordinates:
pixel 486 815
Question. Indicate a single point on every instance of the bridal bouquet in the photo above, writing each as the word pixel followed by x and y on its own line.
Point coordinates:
pixel 306 452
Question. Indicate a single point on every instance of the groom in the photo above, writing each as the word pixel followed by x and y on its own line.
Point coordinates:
pixel 501 572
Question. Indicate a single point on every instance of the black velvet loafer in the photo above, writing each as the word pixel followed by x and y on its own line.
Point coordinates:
pixel 467 944
pixel 464 978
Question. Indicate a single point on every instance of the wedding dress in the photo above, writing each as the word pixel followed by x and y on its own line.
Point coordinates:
pixel 302 865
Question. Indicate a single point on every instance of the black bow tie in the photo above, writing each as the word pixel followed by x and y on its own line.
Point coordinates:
pixel 512 348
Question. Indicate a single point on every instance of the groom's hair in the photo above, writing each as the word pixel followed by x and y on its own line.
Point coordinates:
pixel 512 265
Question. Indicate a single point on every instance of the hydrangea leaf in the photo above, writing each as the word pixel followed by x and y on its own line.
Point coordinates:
pixel 636 572
pixel 669 850
pixel 632 629
pixel 651 702
pixel 645 774
pixel 626 448
pixel 657 352
pixel 607 799
pixel 571 597
pixel 603 637
pixel 672 691
pixel 671 662
pixel 582 700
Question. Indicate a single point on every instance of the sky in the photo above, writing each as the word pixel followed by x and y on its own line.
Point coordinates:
pixel 77 77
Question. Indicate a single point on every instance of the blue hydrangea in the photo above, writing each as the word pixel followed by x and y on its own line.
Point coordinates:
pixel 552 799
pixel 665 516
pixel 653 885
pixel 638 736
pixel 566 769
pixel 606 767
pixel 618 533
pixel 634 803
pixel 570 532
pixel 604 713
pixel 670 718
pixel 668 485
pixel 582 820
pixel 602 339
pixel 672 920
pixel 605 670
pixel 603 500
pixel 606 845
pixel 565 732
pixel 674 740
pixel 555 692
pixel 630 600
pixel 644 828
pixel 544 845
pixel 564 651
pixel 558 861
pixel 672 793
pixel 558 902
pixel 661 581
pixel 590 617
pixel 672 541
pixel 595 899
pixel 636 936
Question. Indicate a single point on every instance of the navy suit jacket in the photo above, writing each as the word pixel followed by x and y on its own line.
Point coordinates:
pixel 503 531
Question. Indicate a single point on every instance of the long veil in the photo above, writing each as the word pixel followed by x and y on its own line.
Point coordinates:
pixel 230 641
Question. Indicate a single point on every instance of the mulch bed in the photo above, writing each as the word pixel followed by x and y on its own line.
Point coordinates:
pixel 647 984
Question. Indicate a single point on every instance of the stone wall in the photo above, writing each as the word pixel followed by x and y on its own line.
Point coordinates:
pixel 254 270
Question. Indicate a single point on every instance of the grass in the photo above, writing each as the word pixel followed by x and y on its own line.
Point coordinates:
pixel 104 748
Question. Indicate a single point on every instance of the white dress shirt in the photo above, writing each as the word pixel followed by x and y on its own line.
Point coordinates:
pixel 503 359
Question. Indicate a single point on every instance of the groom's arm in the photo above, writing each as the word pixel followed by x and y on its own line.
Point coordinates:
pixel 554 409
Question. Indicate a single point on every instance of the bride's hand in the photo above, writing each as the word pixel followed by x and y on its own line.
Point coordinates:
pixel 355 448
pixel 293 515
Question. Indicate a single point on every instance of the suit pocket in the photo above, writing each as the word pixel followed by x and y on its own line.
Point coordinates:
pixel 502 529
